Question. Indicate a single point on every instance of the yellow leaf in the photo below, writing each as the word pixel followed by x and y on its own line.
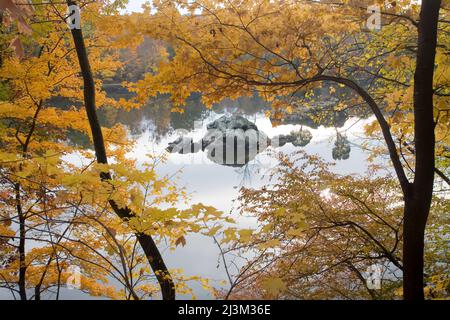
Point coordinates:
pixel 273 286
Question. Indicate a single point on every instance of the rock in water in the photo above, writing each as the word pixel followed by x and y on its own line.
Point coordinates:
pixel 229 140
pixel 301 137
pixel 233 141
pixel 231 123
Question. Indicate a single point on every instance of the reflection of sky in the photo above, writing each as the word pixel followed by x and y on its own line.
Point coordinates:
pixel 216 185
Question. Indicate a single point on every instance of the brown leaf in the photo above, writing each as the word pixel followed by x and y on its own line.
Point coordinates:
pixel 181 240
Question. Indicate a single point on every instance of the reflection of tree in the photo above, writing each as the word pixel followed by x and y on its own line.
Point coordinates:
pixel 77 138
pixel 243 106
pixel 341 149
pixel 193 111
pixel 157 113
pixel 247 171
pixel 157 117
pixel 140 61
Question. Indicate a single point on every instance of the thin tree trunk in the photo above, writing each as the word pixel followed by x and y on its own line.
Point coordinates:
pixel 418 199
pixel 21 248
pixel 146 241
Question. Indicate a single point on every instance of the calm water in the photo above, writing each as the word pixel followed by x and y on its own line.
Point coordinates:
pixel 217 185
pixel 153 127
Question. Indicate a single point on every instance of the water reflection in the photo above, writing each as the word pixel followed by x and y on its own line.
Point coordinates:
pixel 210 183
pixel 155 115
pixel 217 185
pixel 230 140
pixel 234 141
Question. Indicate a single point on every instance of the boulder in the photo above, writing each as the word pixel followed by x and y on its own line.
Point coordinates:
pixel 235 141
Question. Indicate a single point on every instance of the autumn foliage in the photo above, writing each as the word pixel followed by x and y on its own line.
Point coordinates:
pixel 317 231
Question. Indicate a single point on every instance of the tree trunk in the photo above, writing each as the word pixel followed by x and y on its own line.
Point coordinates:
pixel 418 198
pixel 146 241
pixel 21 247
pixel 413 250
